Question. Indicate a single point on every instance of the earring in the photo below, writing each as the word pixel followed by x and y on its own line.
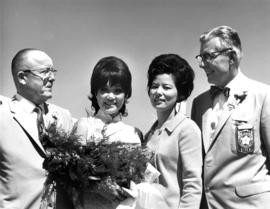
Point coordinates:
pixel 125 114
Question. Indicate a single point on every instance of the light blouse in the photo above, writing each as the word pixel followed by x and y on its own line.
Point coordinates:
pixel 95 128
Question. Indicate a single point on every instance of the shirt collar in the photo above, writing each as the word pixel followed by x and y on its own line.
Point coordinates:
pixel 29 106
pixel 26 105
pixel 235 84
pixel 172 123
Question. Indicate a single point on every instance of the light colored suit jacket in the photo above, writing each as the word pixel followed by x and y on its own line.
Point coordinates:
pixel 21 155
pixel 234 179
pixel 178 158
pixel 3 100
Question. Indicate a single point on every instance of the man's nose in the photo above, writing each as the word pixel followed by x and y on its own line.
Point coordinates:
pixel 201 63
pixel 51 76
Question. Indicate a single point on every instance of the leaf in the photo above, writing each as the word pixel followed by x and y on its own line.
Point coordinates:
pixel 95 165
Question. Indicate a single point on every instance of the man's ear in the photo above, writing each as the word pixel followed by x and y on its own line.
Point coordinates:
pixel 21 77
pixel 233 57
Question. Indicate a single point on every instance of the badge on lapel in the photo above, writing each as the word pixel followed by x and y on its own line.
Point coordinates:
pixel 245 138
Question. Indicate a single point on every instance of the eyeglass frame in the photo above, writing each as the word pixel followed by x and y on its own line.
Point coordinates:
pixel 211 55
pixel 41 74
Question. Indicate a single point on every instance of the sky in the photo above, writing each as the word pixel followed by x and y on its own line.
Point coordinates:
pixel 77 33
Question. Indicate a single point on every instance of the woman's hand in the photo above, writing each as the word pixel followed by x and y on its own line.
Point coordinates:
pixel 109 189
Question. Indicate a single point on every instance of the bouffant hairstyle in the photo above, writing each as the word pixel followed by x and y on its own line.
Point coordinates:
pixel 178 67
pixel 115 71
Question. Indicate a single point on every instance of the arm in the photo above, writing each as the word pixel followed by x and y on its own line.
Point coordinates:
pixel 191 164
pixel 69 121
pixel 193 110
pixel 81 129
pixel 265 121
pixel 139 133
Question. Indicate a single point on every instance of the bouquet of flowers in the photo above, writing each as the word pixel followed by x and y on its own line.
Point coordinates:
pixel 99 166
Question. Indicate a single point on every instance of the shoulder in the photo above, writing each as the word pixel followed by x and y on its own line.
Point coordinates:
pixel 60 115
pixel 185 126
pixel 257 86
pixel 190 126
pixel 255 90
pixel 150 130
pixel 189 134
pixel 251 85
pixel 202 96
pixel 53 107
pixel 60 112
pixel 81 127
pixel 82 121
pixel 4 100
pixel 5 109
pixel 185 121
pixel 4 104
pixel 134 132
pixel 88 122
pixel 139 133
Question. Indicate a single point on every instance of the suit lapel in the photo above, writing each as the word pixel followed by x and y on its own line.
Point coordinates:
pixel 232 105
pixel 208 107
pixel 27 123
pixel 224 117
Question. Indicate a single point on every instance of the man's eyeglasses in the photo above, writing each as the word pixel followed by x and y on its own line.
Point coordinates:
pixel 208 57
pixel 42 73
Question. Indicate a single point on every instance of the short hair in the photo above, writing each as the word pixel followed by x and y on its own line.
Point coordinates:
pixel 178 67
pixel 18 62
pixel 115 71
pixel 228 36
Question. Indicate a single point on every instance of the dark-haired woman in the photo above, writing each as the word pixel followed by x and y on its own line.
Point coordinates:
pixel 174 138
pixel 110 90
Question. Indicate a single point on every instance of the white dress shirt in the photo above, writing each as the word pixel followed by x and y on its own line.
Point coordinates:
pixel 220 102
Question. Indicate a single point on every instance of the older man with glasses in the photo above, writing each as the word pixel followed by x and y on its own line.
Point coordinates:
pixel 234 117
pixel 23 118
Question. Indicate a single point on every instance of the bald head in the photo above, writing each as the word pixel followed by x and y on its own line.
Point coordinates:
pixel 29 58
pixel 33 74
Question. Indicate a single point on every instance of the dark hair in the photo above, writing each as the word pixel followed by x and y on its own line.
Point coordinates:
pixel 113 70
pixel 176 66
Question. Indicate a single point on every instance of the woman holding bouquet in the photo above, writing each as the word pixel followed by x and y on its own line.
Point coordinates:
pixel 174 138
pixel 110 90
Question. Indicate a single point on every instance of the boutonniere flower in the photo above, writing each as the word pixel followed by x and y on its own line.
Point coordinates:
pixel 54 119
pixel 231 106
pixel 240 97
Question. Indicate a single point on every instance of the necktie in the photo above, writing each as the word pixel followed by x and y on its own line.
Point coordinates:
pixel 216 90
pixel 40 124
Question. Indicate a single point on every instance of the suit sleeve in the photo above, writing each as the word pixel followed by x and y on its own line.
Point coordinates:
pixel 61 116
pixel 191 162
pixel 69 121
pixel 81 129
pixel 193 110
pixel 265 122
